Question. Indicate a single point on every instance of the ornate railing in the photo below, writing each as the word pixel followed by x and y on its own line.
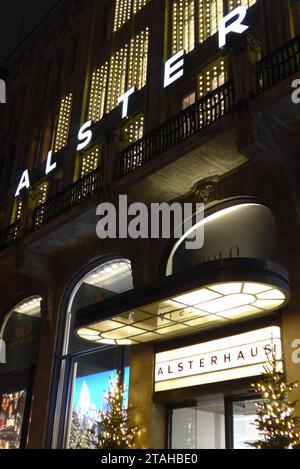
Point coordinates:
pixel 70 197
pixel 278 65
pixel 177 129
pixel 10 234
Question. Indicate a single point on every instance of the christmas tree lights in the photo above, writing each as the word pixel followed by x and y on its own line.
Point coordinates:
pixel 275 421
pixel 114 430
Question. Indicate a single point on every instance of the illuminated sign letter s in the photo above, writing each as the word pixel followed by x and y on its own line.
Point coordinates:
pixel 85 135
pixel 234 27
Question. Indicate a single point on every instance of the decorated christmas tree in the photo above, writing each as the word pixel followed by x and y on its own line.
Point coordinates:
pixel 275 421
pixel 113 428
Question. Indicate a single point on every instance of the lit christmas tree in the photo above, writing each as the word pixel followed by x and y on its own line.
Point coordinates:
pixel 114 430
pixel 275 421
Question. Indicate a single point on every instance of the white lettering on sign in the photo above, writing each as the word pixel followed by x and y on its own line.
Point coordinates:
pixel 24 183
pixel 50 166
pixel 230 358
pixel 125 100
pixel 85 135
pixel 174 68
pixel 234 27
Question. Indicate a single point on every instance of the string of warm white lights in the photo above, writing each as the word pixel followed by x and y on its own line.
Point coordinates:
pixel 90 161
pixel 98 93
pixel 183 25
pixel 41 192
pixel 63 124
pixel 236 3
pixel 124 10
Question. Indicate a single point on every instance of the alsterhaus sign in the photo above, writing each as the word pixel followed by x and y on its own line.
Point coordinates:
pixel 235 357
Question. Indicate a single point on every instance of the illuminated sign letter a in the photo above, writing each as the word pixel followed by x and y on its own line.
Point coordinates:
pixel 234 27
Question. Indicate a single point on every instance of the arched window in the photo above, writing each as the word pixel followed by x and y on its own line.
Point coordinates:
pixel 86 368
pixel 19 339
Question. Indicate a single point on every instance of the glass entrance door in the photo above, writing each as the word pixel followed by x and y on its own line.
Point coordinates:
pixel 201 426
pixel 217 424
pixel 244 429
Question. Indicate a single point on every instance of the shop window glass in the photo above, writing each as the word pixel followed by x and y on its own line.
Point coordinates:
pixel 19 338
pixel 92 376
pixel 105 281
pixel 244 429
pixel 86 368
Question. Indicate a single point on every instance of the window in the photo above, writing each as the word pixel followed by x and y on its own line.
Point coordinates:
pixel 17 210
pixel 134 130
pixel 211 78
pixel 188 100
pixel 63 123
pixel 117 77
pixel 125 9
pixel 128 71
pixel 138 60
pixel 38 196
pixel 20 333
pixel 86 367
pixel 236 3
pixel 210 13
pixel 90 161
pixel 183 25
pixel 98 93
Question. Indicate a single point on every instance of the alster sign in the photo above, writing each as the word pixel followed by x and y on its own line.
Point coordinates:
pixel 230 358
pixel 174 69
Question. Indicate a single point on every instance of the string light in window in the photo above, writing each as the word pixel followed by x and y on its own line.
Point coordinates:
pixel 90 161
pixel 63 124
pixel 135 129
pixel 98 93
pixel 211 78
pixel 125 9
pixel 138 60
pixel 183 25
pixel 236 3
pixel 40 197
pixel 210 13
pixel 117 77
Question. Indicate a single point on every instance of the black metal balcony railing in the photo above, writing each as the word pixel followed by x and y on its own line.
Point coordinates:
pixel 278 65
pixel 70 197
pixel 10 234
pixel 177 129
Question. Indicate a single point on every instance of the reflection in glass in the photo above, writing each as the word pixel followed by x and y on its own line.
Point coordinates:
pixel 244 429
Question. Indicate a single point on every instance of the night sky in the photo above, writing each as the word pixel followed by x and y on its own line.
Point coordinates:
pixel 17 19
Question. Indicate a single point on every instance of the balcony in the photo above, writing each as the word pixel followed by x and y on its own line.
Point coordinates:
pixel 278 65
pixel 197 142
pixel 69 198
pixel 179 128
pixel 10 234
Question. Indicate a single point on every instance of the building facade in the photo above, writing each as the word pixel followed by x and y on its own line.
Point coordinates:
pixel 187 329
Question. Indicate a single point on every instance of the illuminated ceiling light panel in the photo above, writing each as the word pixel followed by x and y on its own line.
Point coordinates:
pixel 198 296
pixel 223 302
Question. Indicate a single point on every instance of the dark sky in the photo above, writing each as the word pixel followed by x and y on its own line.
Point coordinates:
pixel 17 19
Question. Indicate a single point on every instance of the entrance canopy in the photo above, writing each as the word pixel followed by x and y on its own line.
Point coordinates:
pixel 202 297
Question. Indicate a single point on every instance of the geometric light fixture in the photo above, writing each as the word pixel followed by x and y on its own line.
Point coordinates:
pixel 31 306
pixel 211 305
